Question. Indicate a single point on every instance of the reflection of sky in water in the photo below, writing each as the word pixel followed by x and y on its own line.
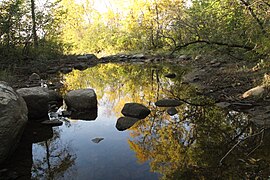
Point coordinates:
pixel 109 159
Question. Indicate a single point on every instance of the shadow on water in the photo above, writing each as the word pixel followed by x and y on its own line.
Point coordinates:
pixel 55 160
pixel 201 141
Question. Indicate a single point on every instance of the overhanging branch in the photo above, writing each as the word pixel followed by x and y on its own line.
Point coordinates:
pixel 249 48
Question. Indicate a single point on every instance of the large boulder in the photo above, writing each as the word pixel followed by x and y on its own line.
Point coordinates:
pixel 37 99
pixel 13 118
pixel 168 103
pixel 81 100
pixel 135 110
pixel 124 123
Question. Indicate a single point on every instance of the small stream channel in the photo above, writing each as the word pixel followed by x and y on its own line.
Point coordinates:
pixel 202 141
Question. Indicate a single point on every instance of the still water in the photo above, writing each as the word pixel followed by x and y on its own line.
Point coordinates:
pixel 201 141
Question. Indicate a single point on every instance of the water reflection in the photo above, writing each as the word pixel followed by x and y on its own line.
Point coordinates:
pixel 55 161
pixel 201 141
pixel 191 144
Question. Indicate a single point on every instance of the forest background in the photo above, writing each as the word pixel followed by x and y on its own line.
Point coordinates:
pixel 45 29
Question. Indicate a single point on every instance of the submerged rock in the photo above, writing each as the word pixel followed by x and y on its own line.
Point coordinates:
pixel 81 100
pixel 37 99
pixel 53 122
pixel 13 118
pixel 168 103
pixel 172 111
pixel 135 110
pixel 124 123
pixel 97 140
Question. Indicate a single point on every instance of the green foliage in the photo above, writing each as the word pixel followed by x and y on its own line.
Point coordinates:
pixel 70 27
pixel 16 39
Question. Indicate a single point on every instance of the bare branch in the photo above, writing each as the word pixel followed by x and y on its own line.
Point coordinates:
pixel 249 48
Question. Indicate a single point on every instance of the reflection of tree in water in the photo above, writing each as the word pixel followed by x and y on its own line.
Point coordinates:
pixel 55 161
pixel 192 145
pixel 188 146
pixel 117 84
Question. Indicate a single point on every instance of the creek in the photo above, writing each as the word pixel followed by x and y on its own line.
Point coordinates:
pixel 201 141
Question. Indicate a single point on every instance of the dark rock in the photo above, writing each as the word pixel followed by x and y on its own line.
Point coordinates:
pixel 91 57
pixel 53 70
pixel 135 110
pixel 124 123
pixel 81 58
pixel 168 103
pixel 54 122
pixel 37 99
pixel 87 57
pixel 54 96
pixel 171 75
pixel 54 86
pixel 13 118
pixel 65 70
pixel 80 66
pixel 66 113
pixel 172 111
pixel 81 100
pixel 97 140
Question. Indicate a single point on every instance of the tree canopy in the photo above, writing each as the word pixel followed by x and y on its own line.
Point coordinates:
pixel 76 27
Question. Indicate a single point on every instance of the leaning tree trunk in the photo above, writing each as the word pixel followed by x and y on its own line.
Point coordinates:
pixel 34 31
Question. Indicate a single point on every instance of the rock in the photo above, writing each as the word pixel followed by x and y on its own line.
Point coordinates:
pixel 34 78
pixel 13 118
pixel 82 57
pixel 53 70
pixel 97 140
pixel 91 57
pixel 213 61
pixel 184 57
pixel 255 92
pixel 135 110
pixel 138 56
pixel 168 103
pixel 170 75
pixel 87 57
pixel 216 65
pixel 81 100
pixel 54 122
pixel 80 66
pixel 66 113
pixel 172 111
pixel 124 123
pixel 223 104
pixel 199 57
pixel 65 70
pixel 37 99
pixel 54 96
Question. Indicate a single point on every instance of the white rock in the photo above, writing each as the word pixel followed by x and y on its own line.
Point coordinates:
pixel 257 91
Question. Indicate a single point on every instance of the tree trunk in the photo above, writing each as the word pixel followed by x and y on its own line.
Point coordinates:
pixel 34 31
